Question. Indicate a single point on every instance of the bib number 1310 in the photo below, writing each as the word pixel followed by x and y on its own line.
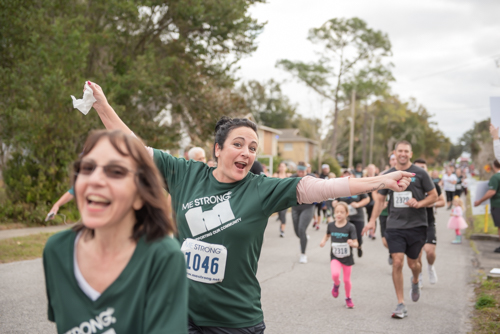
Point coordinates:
pixel 205 262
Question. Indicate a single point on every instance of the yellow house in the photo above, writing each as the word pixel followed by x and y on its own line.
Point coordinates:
pixel 293 147
pixel 268 139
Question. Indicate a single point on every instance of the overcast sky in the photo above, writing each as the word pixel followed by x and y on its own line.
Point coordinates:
pixel 443 52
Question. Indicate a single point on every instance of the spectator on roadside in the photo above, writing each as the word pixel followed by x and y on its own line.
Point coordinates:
pixel 494 195
pixel 211 163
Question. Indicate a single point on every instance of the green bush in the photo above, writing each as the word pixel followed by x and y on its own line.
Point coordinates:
pixel 484 301
pixel 330 161
pixel 276 162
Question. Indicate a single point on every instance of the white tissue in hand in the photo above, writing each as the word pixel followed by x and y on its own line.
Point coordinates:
pixel 85 104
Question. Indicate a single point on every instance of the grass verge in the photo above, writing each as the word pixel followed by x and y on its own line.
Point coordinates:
pixel 476 223
pixel 486 316
pixel 23 248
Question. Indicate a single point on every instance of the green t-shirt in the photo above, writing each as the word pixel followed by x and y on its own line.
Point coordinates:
pixel 234 215
pixel 72 191
pixel 149 296
pixel 494 184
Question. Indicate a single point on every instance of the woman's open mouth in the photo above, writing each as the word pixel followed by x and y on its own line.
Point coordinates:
pixel 240 165
pixel 97 201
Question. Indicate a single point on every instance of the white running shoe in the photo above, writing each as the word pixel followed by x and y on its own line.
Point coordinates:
pixel 303 258
pixel 433 277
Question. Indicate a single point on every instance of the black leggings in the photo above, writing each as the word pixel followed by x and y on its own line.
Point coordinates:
pixel 282 216
pixel 302 216
pixel 449 196
pixel 194 329
pixel 359 227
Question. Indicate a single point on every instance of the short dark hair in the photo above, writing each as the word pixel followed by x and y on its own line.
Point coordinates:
pixel 420 161
pixel 225 125
pixel 152 219
pixel 404 142
pixel 496 164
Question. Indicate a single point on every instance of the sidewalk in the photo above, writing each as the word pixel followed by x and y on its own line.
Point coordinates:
pixel 486 259
pixel 7 234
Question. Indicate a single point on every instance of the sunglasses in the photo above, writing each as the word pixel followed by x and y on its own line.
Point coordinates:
pixel 112 171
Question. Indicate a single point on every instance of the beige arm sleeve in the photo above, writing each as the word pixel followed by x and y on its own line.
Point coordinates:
pixel 311 189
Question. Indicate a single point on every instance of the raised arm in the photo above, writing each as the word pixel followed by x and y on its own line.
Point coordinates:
pixel 108 116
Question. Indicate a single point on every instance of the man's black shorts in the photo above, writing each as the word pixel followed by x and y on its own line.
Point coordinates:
pixel 383 224
pixel 409 241
pixel 495 214
pixel 431 234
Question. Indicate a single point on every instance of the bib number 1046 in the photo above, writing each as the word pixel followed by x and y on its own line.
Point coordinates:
pixel 205 262
pixel 208 265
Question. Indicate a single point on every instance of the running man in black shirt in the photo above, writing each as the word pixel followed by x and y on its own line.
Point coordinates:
pixel 406 230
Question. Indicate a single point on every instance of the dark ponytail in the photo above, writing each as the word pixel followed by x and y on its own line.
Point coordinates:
pixel 225 125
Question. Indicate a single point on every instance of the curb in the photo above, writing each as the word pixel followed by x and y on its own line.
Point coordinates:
pixel 489 237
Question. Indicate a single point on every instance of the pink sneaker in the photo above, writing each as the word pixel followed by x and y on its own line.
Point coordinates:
pixel 349 303
pixel 335 290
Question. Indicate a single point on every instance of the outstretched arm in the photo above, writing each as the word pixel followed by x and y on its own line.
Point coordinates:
pixel 67 197
pixel 310 189
pixel 108 116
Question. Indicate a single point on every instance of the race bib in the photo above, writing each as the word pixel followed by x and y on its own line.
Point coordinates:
pixel 341 249
pixel 400 198
pixel 205 263
pixel 352 211
pixel 458 187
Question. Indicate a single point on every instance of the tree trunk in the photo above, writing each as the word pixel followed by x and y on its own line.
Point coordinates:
pixel 333 149
pixel 371 138
pixel 363 156
pixel 351 137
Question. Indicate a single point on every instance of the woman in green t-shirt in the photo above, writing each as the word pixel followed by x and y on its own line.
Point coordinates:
pixel 120 270
pixel 222 213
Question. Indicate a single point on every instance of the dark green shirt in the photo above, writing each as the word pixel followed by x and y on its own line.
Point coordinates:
pixel 149 296
pixel 494 184
pixel 234 215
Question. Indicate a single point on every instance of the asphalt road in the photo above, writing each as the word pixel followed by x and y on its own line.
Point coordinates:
pixel 296 297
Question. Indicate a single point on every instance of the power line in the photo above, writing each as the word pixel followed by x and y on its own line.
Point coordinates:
pixel 456 68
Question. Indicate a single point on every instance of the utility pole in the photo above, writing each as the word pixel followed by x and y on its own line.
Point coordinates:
pixel 351 138
pixel 371 138
pixel 363 144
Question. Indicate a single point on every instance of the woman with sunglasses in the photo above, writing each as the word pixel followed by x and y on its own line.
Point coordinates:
pixel 120 270
pixel 222 214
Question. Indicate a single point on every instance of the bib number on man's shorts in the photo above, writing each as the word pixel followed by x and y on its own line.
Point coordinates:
pixel 205 262
pixel 400 198
pixel 341 249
